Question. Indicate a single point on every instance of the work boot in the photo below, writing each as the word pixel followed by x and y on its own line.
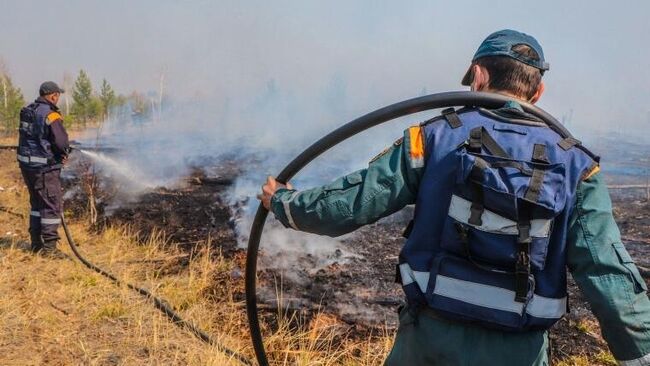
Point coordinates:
pixel 50 250
pixel 36 247
pixel 37 243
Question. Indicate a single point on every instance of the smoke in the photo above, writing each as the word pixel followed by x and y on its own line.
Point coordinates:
pixel 257 135
pixel 223 52
pixel 252 84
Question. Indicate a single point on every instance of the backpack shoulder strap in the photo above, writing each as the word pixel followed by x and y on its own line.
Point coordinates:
pixel 452 118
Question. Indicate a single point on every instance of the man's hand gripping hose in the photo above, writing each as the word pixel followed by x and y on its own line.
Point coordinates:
pixel 411 106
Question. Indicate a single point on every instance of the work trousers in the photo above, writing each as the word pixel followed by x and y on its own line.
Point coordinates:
pixel 424 339
pixel 45 198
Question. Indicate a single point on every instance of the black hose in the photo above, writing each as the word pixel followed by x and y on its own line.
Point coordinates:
pixel 407 107
pixel 159 303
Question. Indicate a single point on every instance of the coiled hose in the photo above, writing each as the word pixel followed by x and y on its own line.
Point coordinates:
pixel 159 303
pixel 411 106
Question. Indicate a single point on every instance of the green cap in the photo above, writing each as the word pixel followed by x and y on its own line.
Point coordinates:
pixel 501 43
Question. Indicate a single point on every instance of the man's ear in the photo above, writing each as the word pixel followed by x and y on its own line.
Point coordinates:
pixel 480 78
pixel 538 93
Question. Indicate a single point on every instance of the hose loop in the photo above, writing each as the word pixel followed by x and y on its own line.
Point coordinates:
pixel 391 112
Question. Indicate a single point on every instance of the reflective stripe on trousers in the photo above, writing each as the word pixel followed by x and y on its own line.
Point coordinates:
pixel 31 159
pixel 45 197
pixel 55 221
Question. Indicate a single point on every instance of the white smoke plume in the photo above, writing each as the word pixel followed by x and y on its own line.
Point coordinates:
pixel 259 81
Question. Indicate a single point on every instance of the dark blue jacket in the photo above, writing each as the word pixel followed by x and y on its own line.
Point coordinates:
pixel 43 141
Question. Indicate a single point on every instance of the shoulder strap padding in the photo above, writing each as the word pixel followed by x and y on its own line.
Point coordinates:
pixel 452 118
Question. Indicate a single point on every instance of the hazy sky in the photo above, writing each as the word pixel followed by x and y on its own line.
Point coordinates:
pixel 370 53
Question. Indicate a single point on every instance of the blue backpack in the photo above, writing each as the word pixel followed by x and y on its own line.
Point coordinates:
pixel 488 242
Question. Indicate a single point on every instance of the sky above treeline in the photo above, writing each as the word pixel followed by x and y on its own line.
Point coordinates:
pixel 359 55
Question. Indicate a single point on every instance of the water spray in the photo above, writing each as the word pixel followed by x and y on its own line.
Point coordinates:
pixel 159 303
pixel 119 168
pixel 391 112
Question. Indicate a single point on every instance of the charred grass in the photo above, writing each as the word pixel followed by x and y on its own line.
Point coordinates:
pixel 180 244
pixel 57 312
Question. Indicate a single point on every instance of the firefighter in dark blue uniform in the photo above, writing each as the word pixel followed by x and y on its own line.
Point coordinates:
pixel 42 149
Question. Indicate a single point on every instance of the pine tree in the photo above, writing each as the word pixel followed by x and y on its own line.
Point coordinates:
pixel 107 97
pixel 85 107
pixel 11 101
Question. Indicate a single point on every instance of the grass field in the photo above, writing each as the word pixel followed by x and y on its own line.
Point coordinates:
pixel 57 312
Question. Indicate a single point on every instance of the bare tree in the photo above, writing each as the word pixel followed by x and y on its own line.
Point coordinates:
pixel 160 93
pixel 67 85
pixel 3 73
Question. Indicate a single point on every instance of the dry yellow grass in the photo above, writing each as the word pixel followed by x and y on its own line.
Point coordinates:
pixel 601 358
pixel 57 312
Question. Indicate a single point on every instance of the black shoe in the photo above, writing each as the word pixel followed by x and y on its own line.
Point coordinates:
pixel 37 242
pixel 51 251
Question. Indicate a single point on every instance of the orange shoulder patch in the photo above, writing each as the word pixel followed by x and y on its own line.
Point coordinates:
pixel 52 117
pixel 595 169
pixel 416 146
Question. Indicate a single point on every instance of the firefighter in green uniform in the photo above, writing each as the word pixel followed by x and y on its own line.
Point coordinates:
pixel 503 206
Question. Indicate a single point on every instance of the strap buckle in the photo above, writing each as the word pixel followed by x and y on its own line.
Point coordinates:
pixel 475 140
pixel 522 266
pixel 476 211
pixel 524 234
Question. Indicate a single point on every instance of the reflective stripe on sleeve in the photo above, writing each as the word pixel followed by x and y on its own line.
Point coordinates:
pixel 642 361
pixel 287 210
pixel 35 213
pixel 460 210
pixel 50 221
pixel 409 276
pixel 31 159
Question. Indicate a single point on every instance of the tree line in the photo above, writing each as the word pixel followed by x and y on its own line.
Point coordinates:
pixel 82 105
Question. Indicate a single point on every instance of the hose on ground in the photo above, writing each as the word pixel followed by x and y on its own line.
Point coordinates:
pixel 159 303
pixel 401 109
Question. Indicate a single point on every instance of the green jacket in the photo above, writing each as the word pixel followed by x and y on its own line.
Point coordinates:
pixel 596 257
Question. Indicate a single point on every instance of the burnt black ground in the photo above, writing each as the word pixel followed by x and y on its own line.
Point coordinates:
pixel 359 290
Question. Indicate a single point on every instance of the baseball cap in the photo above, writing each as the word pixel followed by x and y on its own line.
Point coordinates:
pixel 50 87
pixel 501 43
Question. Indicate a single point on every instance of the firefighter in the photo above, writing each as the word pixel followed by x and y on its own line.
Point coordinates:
pixel 503 206
pixel 42 150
